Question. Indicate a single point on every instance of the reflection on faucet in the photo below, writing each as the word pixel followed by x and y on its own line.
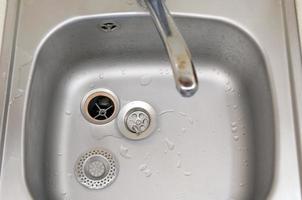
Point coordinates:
pixel 176 47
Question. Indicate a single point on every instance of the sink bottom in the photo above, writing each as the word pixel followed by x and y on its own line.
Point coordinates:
pixel 203 151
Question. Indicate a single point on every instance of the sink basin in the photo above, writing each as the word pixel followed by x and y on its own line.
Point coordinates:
pixel 223 136
pixel 236 138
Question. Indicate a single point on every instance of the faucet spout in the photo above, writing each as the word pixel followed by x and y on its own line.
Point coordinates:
pixel 176 47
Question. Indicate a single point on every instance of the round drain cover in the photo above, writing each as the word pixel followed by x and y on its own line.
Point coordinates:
pixel 96 169
pixel 137 120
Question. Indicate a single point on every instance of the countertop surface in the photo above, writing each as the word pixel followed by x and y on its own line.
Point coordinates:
pixel 2 11
pixel 299 10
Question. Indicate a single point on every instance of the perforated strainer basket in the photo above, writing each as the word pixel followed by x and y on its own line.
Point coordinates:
pixel 96 169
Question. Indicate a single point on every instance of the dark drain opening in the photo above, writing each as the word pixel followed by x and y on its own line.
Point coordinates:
pixel 108 26
pixel 101 108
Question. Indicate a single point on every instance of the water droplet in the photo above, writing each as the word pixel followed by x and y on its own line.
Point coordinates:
pixel 165 112
pixel 124 152
pixel 178 164
pixel 169 144
pixel 59 154
pixel 92 85
pixel 67 112
pixel 227 88
pixel 158 130
pixel 235 107
pixel 187 173
pixel 236 137
pixel 145 80
pixel 191 121
pixel 123 72
pixel 101 76
pixel 179 153
pixel 234 129
pixel 143 167
pixel 183 130
pixel 148 172
pixel 183 114
pixel 145 170
pixel 234 124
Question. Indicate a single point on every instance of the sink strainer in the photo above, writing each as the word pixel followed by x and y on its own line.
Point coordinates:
pixel 137 121
pixel 96 169
pixel 100 106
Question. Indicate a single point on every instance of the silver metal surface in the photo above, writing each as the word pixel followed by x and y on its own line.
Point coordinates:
pixel 96 169
pixel 238 137
pixel 137 120
pixel 107 113
pixel 176 47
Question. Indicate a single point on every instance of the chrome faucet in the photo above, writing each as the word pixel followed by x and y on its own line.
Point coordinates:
pixel 176 47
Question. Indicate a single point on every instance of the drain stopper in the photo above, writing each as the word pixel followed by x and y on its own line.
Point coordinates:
pixel 137 120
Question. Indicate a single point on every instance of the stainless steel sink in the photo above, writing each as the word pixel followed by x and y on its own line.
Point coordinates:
pixel 237 138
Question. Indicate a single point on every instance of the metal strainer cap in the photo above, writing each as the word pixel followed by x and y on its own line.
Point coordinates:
pixel 96 169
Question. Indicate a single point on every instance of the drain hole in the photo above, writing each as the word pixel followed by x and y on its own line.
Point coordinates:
pixel 101 108
pixel 108 26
